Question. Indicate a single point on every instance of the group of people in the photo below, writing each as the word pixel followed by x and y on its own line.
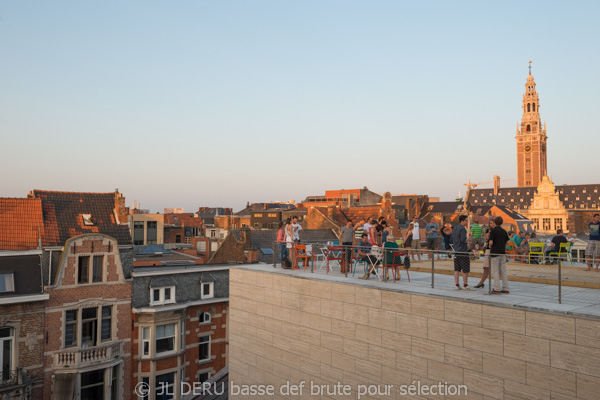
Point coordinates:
pixel 287 233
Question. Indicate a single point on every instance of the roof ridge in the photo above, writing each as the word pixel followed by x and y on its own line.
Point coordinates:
pixel 66 192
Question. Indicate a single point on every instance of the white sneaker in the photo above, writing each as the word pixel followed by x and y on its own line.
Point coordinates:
pixel 456 287
pixel 467 287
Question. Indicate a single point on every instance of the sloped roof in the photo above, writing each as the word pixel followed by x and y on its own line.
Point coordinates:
pixel 185 219
pixel 444 207
pixel 585 196
pixel 21 224
pixel 65 212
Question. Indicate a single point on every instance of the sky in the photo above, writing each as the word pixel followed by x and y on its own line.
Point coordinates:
pixel 219 103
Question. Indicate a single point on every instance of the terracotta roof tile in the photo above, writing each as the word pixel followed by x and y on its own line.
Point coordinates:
pixel 63 214
pixel 21 223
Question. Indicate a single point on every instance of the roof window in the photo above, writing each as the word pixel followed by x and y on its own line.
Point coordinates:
pixel 7 282
pixel 87 219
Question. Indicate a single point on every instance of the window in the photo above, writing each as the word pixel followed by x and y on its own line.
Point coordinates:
pixel 151 232
pixel 188 240
pixel 201 247
pixel 204 349
pixel 536 223
pixel 89 326
pixel 165 338
pixel 92 385
pixel 145 341
pixel 257 215
pixel 165 385
pixel 83 269
pixel 207 290
pixel 163 295
pixel 546 224
pixel 204 318
pixel 533 106
pixel 558 223
pixel 270 215
pixel 97 268
pixel 203 376
pixel 87 219
pixel 213 233
pixel 94 324
pixel 71 328
pixel 114 383
pixel 146 382
pixel 6 353
pixel 106 328
pixel 7 282
pixel 138 233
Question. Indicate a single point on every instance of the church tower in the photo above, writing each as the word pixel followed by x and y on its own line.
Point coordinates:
pixel 531 139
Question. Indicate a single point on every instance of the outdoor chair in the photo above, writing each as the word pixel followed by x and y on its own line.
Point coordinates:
pixel 304 252
pixel 397 261
pixel 536 250
pixel 563 250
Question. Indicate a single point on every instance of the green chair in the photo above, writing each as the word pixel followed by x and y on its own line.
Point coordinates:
pixel 563 250
pixel 536 249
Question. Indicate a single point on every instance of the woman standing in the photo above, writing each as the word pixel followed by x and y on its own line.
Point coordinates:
pixel 486 257
pixel 283 251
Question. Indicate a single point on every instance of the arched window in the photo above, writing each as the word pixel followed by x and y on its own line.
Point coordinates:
pixel 528 107
pixel 533 106
pixel 528 128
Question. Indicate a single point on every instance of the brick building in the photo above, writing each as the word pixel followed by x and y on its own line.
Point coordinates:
pixel 179 326
pixel 22 302
pixel 88 322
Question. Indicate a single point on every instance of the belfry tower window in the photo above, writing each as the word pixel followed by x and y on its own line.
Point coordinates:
pixel 533 106
pixel 528 107
pixel 528 128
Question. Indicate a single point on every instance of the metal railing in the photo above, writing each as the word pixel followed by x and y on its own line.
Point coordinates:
pixel 535 275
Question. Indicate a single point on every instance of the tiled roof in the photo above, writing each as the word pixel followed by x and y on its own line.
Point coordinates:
pixel 572 196
pixel 185 219
pixel 64 215
pixel 21 224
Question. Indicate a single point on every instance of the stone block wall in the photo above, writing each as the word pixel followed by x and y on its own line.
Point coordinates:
pixel 291 329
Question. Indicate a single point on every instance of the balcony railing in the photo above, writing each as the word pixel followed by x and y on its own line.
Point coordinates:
pixel 8 378
pixel 77 358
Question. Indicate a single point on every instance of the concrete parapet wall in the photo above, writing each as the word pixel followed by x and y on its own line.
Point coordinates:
pixel 292 329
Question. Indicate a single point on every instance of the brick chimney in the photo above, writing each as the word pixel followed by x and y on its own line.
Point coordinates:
pixel 330 211
pixel 120 208
pixel 496 184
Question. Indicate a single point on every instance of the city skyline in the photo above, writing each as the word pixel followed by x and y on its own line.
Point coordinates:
pixel 201 104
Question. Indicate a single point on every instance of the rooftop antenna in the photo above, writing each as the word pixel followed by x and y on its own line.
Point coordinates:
pixel 530 66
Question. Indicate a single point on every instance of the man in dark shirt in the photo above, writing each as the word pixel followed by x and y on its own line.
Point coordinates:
pixel 346 235
pixel 498 239
pixel 462 261
pixel 593 248
pixel 555 245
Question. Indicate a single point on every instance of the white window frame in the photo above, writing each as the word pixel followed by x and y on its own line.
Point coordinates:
pixel 7 282
pixel 146 340
pixel 174 336
pixel 162 298
pixel 200 343
pixel 206 318
pixel 211 293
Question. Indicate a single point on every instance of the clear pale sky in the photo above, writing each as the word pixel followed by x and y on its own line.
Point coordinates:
pixel 197 103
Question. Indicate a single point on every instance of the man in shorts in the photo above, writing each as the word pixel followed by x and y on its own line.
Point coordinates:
pixel 593 248
pixel 432 229
pixel 462 261
pixel 416 239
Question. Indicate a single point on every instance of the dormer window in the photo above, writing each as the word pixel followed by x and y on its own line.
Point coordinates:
pixel 207 290
pixel 162 295
pixel 87 219
pixel 7 282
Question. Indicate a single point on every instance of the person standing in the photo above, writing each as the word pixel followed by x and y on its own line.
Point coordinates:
pixel 498 240
pixel 346 235
pixel 476 235
pixel 432 229
pixel 462 262
pixel 358 230
pixel 447 235
pixel 593 247
pixel 486 257
pixel 416 238
pixel 296 229
pixel 283 251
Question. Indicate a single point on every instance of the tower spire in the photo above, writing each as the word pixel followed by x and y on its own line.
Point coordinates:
pixel 530 66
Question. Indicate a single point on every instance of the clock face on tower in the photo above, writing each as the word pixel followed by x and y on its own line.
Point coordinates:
pixel 527 148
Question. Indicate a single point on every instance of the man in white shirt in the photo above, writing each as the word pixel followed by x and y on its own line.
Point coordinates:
pixel 296 228
pixel 416 239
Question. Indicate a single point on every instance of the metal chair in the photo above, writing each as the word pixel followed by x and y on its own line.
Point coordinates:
pixel 563 250
pixel 536 249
